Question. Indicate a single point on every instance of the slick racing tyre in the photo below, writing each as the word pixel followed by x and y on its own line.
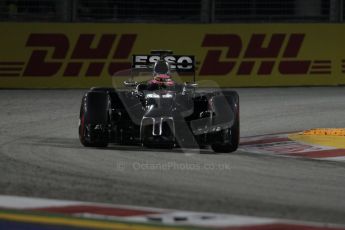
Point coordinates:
pixel 93 123
pixel 227 140
pixel 233 135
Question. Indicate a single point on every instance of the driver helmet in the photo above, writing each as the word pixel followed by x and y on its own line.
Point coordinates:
pixel 161 74
pixel 163 80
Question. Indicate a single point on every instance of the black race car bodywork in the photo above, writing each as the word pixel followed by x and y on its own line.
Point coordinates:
pixel 177 116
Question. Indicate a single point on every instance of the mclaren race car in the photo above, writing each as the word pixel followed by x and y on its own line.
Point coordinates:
pixel 154 108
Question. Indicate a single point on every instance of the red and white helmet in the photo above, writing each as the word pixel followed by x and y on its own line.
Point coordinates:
pixel 163 80
pixel 161 74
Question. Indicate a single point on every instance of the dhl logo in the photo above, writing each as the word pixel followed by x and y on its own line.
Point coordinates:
pixel 280 46
pixel 91 55
pixel 84 52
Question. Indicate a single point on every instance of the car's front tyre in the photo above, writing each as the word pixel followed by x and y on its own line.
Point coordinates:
pixel 232 135
pixel 93 120
pixel 227 140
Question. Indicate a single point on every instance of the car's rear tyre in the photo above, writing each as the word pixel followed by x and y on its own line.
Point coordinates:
pixel 93 124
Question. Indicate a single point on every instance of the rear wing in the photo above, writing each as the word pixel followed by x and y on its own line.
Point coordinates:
pixel 179 63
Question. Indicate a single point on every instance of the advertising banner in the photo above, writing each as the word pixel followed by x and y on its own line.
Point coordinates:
pixel 81 55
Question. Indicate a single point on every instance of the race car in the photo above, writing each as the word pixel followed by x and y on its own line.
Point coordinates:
pixel 161 112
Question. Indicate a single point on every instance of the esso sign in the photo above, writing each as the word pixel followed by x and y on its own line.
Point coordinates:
pixel 177 62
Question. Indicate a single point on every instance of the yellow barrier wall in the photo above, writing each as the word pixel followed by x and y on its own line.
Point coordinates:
pixel 39 55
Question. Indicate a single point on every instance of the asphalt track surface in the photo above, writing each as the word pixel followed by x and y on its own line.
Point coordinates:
pixel 40 156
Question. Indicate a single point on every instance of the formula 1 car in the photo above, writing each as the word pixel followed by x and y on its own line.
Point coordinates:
pixel 160 112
